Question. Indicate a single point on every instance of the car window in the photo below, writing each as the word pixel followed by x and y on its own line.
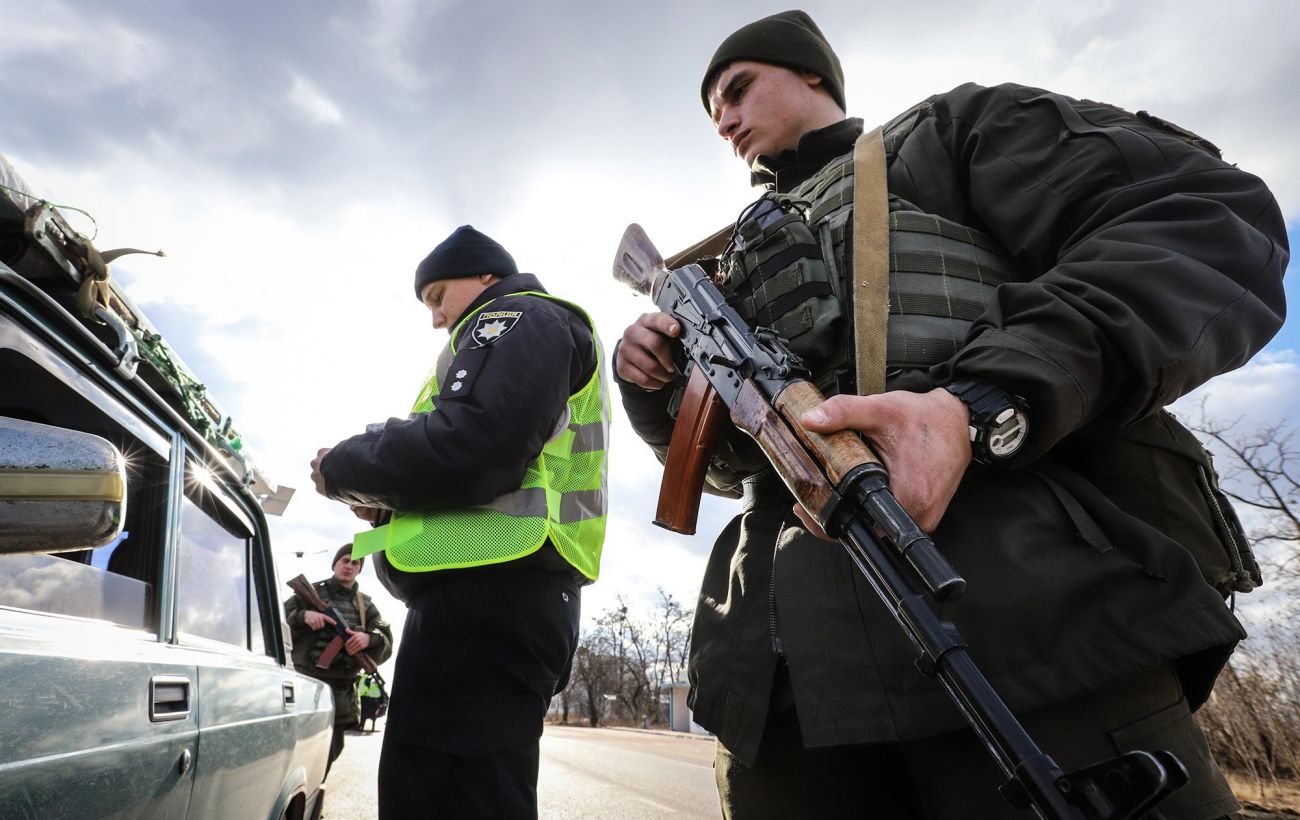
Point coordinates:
pixel 213 600
pixel 116 582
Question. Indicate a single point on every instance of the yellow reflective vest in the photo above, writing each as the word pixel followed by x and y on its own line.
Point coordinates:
pixel 563 497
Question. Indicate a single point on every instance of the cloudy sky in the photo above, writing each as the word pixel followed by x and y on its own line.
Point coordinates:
pixel 296 159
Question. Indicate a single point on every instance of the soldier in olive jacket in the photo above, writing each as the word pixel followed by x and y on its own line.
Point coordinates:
pixel 312 632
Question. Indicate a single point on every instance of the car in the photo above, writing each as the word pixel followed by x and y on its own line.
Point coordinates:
pixel 143 648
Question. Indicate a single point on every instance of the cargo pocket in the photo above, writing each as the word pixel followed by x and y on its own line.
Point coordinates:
pixel 774 275
pixel 1172 729
pixel 1157 471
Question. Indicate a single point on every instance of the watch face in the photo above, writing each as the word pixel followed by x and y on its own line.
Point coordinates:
pixel 1007 433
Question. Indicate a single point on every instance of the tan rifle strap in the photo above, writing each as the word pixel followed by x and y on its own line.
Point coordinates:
pixel 870 261
pixel 361 612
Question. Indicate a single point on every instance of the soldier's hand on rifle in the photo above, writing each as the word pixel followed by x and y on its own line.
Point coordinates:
pixel 923 439
pixel 317 620
pixel 316 477
pixel 645 354
pixel 357 642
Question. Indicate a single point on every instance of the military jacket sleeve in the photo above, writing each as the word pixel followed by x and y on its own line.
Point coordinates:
pixel 1149 264
pixel 502 399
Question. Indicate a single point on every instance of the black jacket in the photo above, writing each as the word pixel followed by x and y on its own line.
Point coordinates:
pixel 485 431
pixel 1147 266
pixel 490 422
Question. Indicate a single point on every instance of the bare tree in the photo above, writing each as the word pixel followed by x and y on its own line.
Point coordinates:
pixel 1252 719
pixel 1262 471
pixel 629 644
pixel 672 638
pixel 595 674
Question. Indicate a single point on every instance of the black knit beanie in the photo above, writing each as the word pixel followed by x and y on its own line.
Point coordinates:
pixel 789 39
pixel 466 252
pixel 346 549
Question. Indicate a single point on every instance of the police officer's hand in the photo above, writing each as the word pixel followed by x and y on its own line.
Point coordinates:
pixel 370 515
pixel 357 642
pixel 316 477
pixel 317 620
pixel 645 355
pixel 923 439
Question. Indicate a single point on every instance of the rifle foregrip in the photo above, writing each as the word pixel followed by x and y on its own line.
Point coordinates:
pixel 695 435
pixel 838 452
pixel 754 414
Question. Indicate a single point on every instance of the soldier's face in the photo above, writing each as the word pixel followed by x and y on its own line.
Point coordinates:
pixel 447 299
pixel 761 108
pixel 345 569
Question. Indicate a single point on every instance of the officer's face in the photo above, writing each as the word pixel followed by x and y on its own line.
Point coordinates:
pixel 447 299
pixel 764 109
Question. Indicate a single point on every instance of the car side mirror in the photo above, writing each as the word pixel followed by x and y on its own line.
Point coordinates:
pixel 60 489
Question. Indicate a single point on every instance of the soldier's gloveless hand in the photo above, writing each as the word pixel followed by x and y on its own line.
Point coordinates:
pixel 645 354
pixel 923 439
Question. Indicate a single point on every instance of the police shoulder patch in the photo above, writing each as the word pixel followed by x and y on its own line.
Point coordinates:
pixel 491 325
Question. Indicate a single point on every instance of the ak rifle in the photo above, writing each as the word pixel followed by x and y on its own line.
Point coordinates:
pixel 342 629
pixel 764 388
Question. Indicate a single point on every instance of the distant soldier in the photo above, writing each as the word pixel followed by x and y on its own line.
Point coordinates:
pixel 371 634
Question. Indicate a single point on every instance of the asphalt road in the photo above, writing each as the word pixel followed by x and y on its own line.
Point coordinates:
pixel 610 774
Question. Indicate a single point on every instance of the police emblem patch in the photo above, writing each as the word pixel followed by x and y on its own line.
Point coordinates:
pixel 492 325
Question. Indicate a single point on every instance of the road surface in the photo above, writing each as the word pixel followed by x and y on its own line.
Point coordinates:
pixel 585 774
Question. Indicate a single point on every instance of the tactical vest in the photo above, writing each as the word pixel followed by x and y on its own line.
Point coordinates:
pixel 562 497
pixel 790 267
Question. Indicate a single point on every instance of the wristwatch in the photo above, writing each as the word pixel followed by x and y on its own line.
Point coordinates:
pixel 999 420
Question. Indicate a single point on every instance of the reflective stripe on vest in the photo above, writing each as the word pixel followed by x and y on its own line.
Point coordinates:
pixel 562 497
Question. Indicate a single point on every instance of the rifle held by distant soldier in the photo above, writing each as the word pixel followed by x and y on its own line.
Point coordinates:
pixel 342 630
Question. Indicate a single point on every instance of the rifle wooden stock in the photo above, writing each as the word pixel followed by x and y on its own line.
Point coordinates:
pixel 303 588
pixel 307 592
pixel 695 435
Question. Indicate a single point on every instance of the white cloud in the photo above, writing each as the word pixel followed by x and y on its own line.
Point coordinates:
pixel 1266 391
pixel 313 103
pixel 62 50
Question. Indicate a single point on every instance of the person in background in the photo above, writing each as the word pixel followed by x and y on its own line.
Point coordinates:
pixel 311 632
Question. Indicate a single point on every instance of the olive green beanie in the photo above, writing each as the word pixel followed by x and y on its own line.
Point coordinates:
pixel 345 551
pixel 789 39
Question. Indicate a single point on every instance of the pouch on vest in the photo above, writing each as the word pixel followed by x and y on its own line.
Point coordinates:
pixel 1156 470
pixel 773 274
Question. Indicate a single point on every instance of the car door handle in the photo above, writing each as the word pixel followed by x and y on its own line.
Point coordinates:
pixel 169 697
pixel 287 693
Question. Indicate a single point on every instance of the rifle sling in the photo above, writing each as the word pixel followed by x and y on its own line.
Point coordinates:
pixel 870 261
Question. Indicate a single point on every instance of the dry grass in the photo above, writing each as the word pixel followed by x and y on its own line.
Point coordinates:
pixel 1282 796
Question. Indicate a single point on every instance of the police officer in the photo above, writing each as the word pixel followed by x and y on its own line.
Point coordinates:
pixel 493 491
pixel 371 698
pixel 1058 266
pixel 312 631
